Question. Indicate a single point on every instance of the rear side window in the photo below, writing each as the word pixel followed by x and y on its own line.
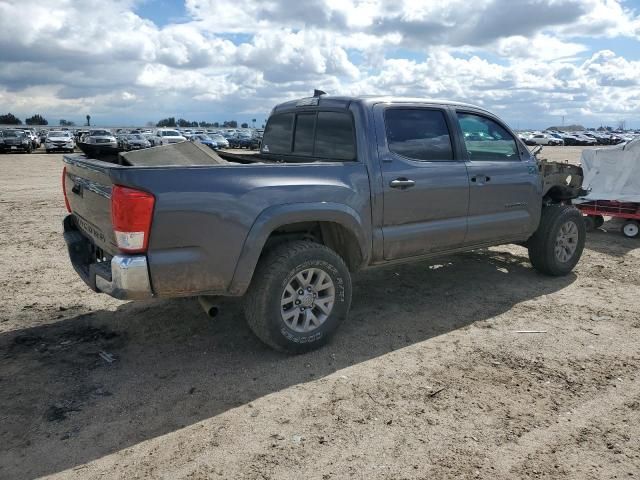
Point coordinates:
pixel 277 136
pixel 303 141
pixel 418 134
pixel 334 136
pixel 487 140
pixel 326 135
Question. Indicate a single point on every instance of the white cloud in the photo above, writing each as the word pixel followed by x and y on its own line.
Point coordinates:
pixel 528 60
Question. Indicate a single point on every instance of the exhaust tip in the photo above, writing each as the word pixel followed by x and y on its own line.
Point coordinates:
pixel 210 308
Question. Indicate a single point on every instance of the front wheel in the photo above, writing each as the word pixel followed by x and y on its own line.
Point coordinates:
pixel 299 295
pixel 556 247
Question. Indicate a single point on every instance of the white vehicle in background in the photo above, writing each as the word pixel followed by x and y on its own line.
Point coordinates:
pixel 544 139
pixel 59 140
pixel 35 139
pixel 166 136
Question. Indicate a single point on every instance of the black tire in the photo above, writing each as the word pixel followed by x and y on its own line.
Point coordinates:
pixel 542 245
pixel 275 270
pixel 599 220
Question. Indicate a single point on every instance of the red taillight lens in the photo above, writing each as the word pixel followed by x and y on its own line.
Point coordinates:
pixel 131 213
pixel 64 189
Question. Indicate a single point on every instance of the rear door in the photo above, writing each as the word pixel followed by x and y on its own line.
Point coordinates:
pixel 425 184
pixel 504 195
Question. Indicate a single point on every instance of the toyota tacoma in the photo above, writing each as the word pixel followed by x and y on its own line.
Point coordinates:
pixel 340 184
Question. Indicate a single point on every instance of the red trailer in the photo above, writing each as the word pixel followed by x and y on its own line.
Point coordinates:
pixel 596 210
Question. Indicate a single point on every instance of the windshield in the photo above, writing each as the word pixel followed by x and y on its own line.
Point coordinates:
pixel 100 133
pixel 13 133
pixel 202 137
pixel 58 134
pixel 217 137
pixel 170 133
pixel 136 137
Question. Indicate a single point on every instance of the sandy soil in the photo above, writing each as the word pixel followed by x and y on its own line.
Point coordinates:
pixel 428 378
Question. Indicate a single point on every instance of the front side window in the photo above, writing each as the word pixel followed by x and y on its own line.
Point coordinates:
pixel 418 134
pixel 486 140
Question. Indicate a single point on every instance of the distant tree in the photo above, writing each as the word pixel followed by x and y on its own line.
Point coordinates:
pixel 10 119
pixel 216 124
pixel 66 123
pixel 182 123
pixel 167 122
pixel 149 124
pixel 245 125
pixel 230 124
pixel 88 120
pixel 37 119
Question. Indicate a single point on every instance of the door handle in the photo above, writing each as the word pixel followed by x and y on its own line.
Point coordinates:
pixel 402 183
pixel 480 179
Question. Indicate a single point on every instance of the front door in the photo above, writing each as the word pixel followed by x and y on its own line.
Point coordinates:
pixel 504 195
pixel 425 183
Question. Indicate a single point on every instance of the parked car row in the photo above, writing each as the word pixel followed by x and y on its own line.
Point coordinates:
pixel 583 138
pixel 66 139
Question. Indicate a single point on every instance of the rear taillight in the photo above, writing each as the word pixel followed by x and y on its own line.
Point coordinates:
pixel 131 213
pixel 64 189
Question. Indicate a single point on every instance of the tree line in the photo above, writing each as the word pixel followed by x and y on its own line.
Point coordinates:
pixel 37 119
pixel 182 123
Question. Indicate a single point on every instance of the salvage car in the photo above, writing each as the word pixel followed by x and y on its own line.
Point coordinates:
pixel 340 184
pixel 544 139
pixel 204 140
pixel 58 140
pixel 135 141
pixel 101 137
pixel 16 141
pixel 166 136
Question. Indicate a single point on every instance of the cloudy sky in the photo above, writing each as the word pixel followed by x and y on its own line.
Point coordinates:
pixel 134 61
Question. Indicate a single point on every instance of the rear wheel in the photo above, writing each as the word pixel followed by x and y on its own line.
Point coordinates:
pixel 557 245
pixel 300 294
pixel 631 229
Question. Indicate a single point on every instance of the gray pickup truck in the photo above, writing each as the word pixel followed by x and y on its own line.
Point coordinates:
pixel 339 184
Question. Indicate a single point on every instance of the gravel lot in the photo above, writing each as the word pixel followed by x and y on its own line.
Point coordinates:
pixel 428 378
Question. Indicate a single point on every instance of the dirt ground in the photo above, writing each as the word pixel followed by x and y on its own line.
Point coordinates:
pixel 429 378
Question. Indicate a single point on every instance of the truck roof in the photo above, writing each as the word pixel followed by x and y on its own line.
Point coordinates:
pixel 329 101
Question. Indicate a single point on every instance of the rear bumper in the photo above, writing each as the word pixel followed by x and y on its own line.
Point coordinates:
pixel 125 277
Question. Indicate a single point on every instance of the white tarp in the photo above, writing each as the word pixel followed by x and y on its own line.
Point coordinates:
pixel 613 173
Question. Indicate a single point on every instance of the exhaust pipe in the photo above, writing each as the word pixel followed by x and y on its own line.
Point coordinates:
pixel 210 308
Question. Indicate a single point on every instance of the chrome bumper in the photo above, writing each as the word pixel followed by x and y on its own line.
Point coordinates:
pixel 126 277
pixel 129 278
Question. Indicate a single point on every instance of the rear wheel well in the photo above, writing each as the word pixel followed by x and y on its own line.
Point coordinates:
pixel 331 234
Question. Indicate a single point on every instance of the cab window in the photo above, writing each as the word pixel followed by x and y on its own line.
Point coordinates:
pixel 486 140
